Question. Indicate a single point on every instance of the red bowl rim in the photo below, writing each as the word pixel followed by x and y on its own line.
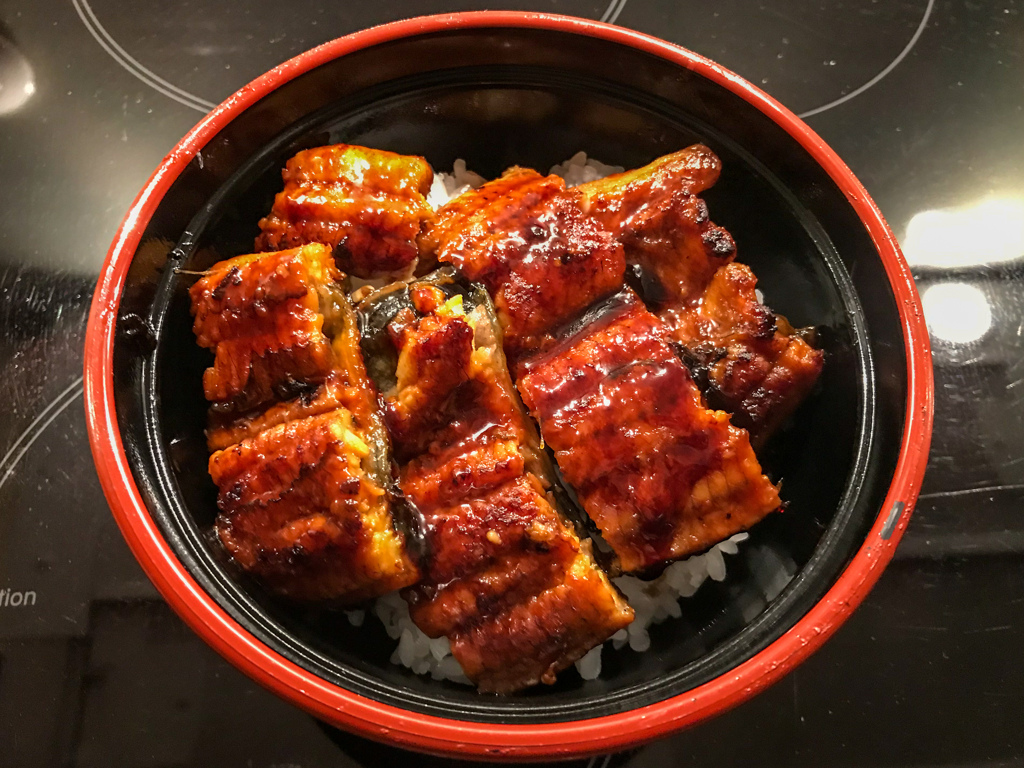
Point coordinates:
pixel 456 737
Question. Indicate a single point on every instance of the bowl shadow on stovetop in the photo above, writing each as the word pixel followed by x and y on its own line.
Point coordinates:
pixel 371 753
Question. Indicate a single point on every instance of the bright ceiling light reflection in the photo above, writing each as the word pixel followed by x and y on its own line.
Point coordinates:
pixel 989 232
pixel 956 312
pixel 17 81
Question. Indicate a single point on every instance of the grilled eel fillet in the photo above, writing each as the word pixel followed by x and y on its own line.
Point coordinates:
pixel 749 361
pixel 629 428
pixel 369 205
pixel 755 364
pixel 661 475
pixel 506 579
pixel 261 316
pixel 530 245
pixel 303 483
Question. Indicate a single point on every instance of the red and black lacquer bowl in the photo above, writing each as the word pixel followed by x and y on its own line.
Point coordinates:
pixel 500 89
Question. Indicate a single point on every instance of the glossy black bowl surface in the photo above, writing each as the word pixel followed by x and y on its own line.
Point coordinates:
pixel 534 97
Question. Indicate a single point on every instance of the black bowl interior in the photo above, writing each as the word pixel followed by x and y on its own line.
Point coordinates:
pixel 514 96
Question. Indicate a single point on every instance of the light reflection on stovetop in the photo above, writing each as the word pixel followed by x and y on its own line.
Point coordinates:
pixel 99 671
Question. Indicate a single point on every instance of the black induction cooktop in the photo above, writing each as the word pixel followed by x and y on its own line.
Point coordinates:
pixel 924 99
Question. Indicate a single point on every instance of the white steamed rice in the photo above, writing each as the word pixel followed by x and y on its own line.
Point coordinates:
pixel 653 601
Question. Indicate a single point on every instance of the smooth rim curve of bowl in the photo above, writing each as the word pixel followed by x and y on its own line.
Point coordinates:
pixel 383 722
